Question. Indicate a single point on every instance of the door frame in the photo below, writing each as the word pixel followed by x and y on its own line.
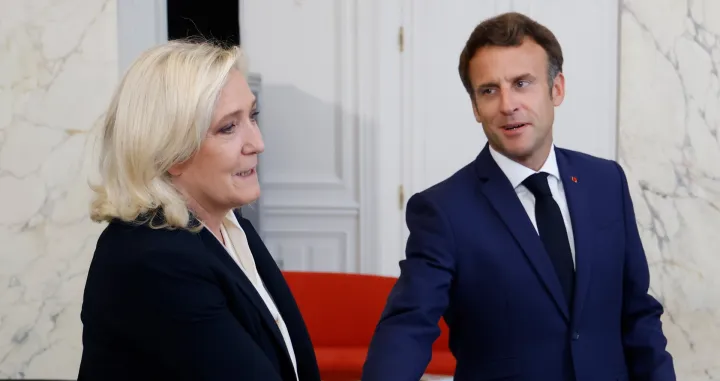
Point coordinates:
pixel 413 128
pixel 401 135
pixel 386 212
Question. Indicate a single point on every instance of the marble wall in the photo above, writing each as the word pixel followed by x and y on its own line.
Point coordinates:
pixel 669 117
pixel 58 67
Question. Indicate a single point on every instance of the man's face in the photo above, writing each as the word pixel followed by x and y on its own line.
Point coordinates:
pixel 514 101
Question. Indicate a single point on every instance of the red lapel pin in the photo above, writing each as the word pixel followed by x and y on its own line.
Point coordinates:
pixel 574 179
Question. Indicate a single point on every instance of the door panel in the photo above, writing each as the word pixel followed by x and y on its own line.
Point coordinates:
pixel 321 65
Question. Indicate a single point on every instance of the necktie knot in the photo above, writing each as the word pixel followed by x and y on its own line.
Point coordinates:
pixel 537 184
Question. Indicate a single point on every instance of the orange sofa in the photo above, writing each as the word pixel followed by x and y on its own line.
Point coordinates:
pixel 341 312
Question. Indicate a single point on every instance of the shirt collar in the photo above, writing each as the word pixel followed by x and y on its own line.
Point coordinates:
pixel 517 172
pixel 231 218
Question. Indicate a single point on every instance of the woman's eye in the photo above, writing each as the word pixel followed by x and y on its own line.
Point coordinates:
pixel 228 129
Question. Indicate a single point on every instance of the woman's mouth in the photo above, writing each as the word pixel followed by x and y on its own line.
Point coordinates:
pixel 247 173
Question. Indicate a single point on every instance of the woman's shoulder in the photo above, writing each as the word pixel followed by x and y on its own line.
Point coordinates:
pixel 125 242
pixel 129 258
pixel 134 265
pixel 142 230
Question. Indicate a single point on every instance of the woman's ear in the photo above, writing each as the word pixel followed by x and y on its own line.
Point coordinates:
pixel 178 169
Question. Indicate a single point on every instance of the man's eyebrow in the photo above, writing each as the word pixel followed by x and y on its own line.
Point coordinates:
pixel 487 85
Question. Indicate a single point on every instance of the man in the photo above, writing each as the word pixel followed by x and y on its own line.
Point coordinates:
pixel 531 252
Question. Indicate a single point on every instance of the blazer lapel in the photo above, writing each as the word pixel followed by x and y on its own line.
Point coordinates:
pixel 285 302
pixel 246 287
pixel 497 188
pixel 576 194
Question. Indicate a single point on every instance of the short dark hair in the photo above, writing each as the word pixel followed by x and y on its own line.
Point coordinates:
pixel 510 29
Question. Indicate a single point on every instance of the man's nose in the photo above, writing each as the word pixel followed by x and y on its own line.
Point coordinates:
pixel 508 102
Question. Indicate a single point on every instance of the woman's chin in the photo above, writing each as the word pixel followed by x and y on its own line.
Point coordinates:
pixel 248 196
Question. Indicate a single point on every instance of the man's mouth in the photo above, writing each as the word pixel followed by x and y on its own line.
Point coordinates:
pixel 514 126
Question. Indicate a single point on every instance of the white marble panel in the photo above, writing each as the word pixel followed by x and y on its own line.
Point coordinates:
pixel 669 117
pixel 58 67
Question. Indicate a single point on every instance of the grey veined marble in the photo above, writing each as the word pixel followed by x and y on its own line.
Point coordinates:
pixel 58 67
pixel 669 116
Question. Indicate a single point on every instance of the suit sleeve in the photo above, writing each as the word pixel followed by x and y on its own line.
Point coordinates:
pixel 402 345
pixel 180 318
pixel 643 338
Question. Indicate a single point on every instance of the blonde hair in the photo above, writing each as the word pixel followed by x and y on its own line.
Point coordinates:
pixel 158 117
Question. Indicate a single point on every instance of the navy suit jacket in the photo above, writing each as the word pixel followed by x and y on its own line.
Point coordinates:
pixel 165 304
pixel 474 257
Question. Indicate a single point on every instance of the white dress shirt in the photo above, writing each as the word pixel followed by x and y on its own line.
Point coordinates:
pixel 517 173
pixel 237 247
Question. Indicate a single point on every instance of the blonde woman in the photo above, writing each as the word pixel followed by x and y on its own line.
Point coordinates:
pixel 180 287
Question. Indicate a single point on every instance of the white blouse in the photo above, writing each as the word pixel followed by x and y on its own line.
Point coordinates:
pixel 237 247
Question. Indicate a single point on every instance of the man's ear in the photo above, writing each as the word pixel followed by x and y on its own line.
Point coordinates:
pixel 558 89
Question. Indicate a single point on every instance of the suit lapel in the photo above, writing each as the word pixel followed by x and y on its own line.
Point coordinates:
pixel 497 188
pixel 577 193
pixel 246 287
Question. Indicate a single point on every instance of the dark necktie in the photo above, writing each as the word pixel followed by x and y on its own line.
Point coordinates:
pixel 551 227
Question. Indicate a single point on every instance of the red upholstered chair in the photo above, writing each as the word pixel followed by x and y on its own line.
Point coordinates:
pixel 341 312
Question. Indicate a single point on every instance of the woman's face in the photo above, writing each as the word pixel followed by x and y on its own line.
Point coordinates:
pixel 222 174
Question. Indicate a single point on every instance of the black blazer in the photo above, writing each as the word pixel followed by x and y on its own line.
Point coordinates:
pixel 173 305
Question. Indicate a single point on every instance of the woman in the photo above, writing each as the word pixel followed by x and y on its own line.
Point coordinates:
pixel 180 287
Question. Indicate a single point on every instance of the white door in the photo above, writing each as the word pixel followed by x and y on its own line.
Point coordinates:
pixel 329 85
pixel 440 134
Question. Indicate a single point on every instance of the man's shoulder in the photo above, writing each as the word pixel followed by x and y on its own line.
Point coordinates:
pixel 603 177
pixel 582 158
pixel 598 166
